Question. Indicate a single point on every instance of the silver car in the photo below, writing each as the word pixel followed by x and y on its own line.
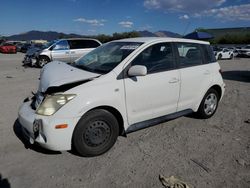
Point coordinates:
pixel 66 50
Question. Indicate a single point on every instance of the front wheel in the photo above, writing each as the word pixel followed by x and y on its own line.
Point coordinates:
pixel 95 133
pixel 42 61
pixel 219 57
pixel 208 104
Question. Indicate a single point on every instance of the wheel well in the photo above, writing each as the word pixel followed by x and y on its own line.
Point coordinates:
pixel 118 116
pixel 40 56
pixel 218 89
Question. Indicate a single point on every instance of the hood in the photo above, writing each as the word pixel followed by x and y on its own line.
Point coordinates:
pixel 56 74
pixel 32 51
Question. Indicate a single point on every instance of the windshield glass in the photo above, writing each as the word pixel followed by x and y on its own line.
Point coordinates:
pixel 48 44
pixel 106 57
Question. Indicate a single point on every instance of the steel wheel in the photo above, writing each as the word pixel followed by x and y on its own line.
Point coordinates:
pixel 97 133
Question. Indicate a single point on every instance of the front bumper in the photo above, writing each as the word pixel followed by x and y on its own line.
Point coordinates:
pixel 45 134
pixel 29 60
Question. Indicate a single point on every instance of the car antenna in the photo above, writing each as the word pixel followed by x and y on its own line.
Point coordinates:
pixel 186 28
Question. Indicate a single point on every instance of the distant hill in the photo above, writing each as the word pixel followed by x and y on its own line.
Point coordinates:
pixel 159 34
pixel 41 35
pixel 52 35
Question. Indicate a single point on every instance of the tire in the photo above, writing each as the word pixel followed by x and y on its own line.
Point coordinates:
pixel 231 56
pixel 95 133
pixel 43 60
pixel 219 57
pixel 209 104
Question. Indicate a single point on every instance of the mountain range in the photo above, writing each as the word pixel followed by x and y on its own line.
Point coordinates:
pixel 52 35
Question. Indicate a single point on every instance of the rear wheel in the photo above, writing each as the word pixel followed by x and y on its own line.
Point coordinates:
pixel 95 133
pixel 208 104
pixel 43 60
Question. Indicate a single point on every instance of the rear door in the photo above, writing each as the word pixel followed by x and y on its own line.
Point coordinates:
pixel 157 93
pixel 80 47
pixel 60 51
pixel 194 72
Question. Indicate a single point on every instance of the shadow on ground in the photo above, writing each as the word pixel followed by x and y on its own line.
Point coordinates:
pixel 242 76
pixel 4 183
pixel 18 132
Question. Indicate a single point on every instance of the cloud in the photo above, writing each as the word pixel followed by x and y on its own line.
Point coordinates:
pixel 127 24
pixel 190 6
pixel 230 13
pixel 184 17
pixel 93 22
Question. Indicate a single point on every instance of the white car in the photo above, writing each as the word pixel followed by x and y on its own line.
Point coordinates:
pixel 245 51
pixel 224 54
pixel 118 88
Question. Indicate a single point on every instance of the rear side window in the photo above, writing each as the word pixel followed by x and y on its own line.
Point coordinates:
pixel 208 54
pixel 156 58
pixel 81 44
pixel 189 54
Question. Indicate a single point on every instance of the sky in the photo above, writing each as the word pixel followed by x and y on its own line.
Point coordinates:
pixel 92 17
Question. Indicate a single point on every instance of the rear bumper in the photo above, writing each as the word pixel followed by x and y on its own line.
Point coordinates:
pixel 46 135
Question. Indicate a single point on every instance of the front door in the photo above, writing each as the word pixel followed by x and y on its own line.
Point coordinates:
pixel 157 93
pixel 61 52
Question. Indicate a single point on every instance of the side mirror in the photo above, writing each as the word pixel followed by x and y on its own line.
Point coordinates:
pixel 137 70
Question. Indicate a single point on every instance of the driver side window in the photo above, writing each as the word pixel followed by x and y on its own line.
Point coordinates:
pixel 61 45
pixel 157 58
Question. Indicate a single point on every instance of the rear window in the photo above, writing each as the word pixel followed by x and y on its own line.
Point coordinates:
pixel 81 44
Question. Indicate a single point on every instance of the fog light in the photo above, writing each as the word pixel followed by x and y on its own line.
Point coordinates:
pixel 37 124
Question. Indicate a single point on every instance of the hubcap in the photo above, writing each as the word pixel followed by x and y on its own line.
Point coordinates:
pixel 210 104
pixel 42 62
pixel 97 133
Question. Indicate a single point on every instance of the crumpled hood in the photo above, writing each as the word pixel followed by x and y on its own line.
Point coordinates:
pixel 32 51
pixel 57 73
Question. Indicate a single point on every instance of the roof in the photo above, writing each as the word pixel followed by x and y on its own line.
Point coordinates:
pixel 159 39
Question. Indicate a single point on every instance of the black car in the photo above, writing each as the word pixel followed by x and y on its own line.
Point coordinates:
pixel 25 48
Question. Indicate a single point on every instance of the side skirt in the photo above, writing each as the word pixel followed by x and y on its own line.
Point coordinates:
pixel 155 121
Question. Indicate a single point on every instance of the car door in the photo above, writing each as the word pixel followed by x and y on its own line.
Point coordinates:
pixel 157 93
pixel 195 75
pixel 60 51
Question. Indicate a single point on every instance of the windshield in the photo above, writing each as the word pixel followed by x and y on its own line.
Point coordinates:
pixel 106 57
pixel 48 44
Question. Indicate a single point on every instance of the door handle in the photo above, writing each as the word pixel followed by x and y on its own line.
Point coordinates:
pixel 207 72
pixel 66 52
pixel 173 80
pixel 73 52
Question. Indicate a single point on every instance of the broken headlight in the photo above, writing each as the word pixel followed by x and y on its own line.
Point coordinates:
pixel 52 103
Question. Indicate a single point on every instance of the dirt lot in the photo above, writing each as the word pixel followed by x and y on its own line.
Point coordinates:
pixel 221 145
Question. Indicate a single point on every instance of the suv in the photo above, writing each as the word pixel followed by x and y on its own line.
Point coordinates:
pixel 118 88
pixel 66 50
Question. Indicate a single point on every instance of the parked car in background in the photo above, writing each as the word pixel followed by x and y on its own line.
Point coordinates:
pixel 25 47
pixel 118 88
pixel 66 50
pixel 30 56
pixel 235 50
pixel 244 51
pixel 7 48
pixel 223 53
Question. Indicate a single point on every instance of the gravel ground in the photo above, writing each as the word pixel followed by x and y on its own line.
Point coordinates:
pixel 213 153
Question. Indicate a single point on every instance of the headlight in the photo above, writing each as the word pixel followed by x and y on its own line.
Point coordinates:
pixel 53 103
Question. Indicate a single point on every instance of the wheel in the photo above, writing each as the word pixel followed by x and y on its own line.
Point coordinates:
pixel 231 56
pixel 95 133
pixel 208 104
pixel 43 60
pixel 220 57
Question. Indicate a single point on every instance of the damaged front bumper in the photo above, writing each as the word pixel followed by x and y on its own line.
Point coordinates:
pixel 41 129
pixel 28 60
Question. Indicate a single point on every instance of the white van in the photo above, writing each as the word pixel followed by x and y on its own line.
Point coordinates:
pixel 66 50
pixel 118 88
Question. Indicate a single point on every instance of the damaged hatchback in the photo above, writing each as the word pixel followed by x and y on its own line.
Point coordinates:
pixel 118 88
